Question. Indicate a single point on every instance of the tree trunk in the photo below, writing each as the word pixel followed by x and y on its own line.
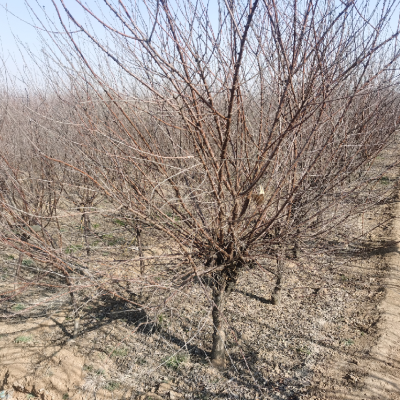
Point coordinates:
pixel 16 276
pixel 77 319
pixel 218 348
pixel 277 293
pixel 86 230
pixel 140 248
pixel 224 283
pixel 24 238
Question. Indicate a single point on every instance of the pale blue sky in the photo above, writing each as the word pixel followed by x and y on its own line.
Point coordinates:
pixel 16 30
pixel 17 27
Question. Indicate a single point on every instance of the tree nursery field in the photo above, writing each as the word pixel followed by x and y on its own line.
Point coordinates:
pixel 200 201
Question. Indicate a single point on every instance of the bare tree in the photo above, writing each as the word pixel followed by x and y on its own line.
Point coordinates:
pixel 239 134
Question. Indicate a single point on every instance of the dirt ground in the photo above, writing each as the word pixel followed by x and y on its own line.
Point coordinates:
pixel 335 335
pixel 375 374
pixel 382 364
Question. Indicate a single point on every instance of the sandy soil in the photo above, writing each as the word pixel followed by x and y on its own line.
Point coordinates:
pixel 377 375
pixel 383 365
pixel 28 369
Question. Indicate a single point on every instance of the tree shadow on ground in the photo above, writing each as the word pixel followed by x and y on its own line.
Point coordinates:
pixel 254 296
pixel 99 316
pixel 363 250
pixel 110 309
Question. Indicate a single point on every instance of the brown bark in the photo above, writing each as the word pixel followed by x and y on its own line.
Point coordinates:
pixel 24 238
pixel 218 347
pixel 277 293
pixel 140 248
pixel 77 320
pixel 224 283
pixel 86 230
pixel 17 271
